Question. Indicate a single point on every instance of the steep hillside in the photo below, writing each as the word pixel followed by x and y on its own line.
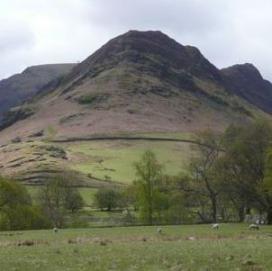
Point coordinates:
pixel 19 87
pixel 139 81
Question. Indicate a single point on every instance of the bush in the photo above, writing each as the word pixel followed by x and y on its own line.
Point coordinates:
pixel 16 209
pixel 23 218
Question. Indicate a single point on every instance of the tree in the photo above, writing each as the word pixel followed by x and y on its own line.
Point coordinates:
pixel 73 200
pixel 245 165
pixel 57 197
pixel 12 194
pixel 108 198
pixel 203 180
pixel 149 174
pixel 16 209
pixel 266 187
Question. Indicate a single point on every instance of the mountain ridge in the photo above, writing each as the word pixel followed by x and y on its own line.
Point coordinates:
pixel 145 81
pixel 17 88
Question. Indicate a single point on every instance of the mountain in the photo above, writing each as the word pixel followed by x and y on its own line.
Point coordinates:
pixel 19 87
pixel 139 84
pixel 246 82
pixel 143 81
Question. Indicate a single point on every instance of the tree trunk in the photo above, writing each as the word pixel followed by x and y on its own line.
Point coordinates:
pixel 214 209
pixel 202 217
pixel 241 214
pixel 269 216
pixel 150 211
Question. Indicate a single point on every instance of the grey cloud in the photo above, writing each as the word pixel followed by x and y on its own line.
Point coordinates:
pixel 187 16
pixel 15 38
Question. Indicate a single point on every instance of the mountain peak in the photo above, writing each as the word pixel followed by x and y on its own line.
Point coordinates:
pixel 247 71
pixel 246 81
pixel 137 33
pixel 151 50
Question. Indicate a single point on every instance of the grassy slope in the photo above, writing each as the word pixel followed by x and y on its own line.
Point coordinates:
pixel 233 247
pixel 102 159
pixel 116 159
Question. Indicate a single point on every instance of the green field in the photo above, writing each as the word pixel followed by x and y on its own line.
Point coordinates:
pixel 106 159
pixel 197 247
pixel 114 159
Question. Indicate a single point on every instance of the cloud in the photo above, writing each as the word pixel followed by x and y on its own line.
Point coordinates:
pixel 227 32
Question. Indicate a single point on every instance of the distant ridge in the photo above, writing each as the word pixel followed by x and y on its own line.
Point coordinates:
pixel 19 87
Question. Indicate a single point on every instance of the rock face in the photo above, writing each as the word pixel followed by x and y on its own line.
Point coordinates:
pixel 145 81
pixel 247 82
pixel 17 88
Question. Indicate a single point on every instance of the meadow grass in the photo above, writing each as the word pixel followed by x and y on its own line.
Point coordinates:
pixel 106 159
pixel 196 247
pixel 115 159
pixel 87 194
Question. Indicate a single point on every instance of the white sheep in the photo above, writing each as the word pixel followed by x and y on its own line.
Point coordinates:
pixel 55 229
pixel 159 230
pixel 215 226
pixel 253 227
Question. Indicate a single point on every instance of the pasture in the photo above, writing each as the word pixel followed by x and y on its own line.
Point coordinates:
pixel 196 247
pixel 110 160
pixel 114 160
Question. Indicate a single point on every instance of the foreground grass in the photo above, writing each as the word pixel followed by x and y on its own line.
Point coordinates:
pixel 197 247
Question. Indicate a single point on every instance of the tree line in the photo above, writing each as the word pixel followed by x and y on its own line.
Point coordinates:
pixel 56 200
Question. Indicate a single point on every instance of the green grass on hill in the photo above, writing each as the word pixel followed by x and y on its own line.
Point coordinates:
pixel 103 159
pixel 196 248
pixel 115 159
pixel 87 194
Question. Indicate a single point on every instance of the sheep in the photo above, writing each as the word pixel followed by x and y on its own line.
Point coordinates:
pixel 55 230
pixel 215 226
pixel 253 227
pixel 159 230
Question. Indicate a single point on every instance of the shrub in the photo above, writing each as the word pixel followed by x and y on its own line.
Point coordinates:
pixel 16 209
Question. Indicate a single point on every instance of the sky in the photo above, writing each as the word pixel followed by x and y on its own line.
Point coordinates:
pixel 227 32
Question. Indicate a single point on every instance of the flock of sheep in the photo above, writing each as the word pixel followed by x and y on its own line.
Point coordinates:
pixel 216 227
pixel 251 226
pixel 213 226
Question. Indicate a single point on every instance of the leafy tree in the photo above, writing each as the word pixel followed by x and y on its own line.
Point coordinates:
pixel 129 196
pixel 16 210
pixel 57 197
pixel 245 165
pixel 149 175
pixel 12 194
pixel 266 187
pixel 108 198
pixel 73 200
